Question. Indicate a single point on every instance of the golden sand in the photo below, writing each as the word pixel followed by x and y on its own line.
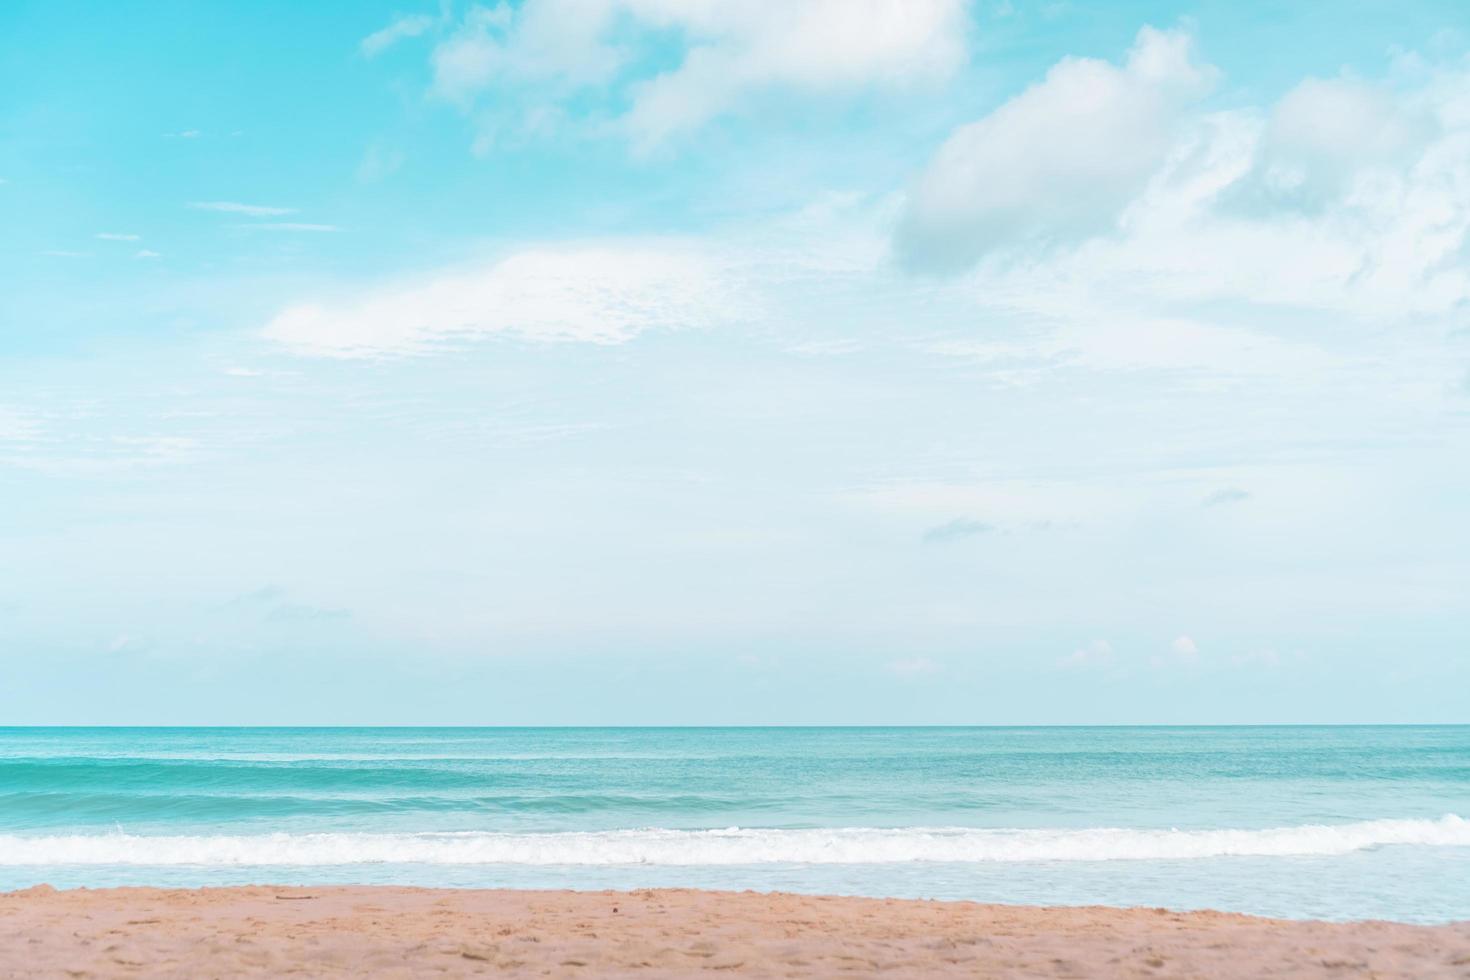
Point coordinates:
pixel 411 932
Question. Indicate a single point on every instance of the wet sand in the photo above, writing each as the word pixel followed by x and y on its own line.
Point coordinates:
pixel 410 932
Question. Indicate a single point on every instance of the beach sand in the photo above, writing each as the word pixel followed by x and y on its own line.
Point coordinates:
pixel 402 932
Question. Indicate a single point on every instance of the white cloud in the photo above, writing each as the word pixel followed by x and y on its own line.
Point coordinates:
pixel 234 207
pixel 154 447
pixel 113 236
pixel 914 667
pixel 1238 228
pixel 1182 652
pixel 1324 132
pixel 1378 240
pixel 64 253
pixel 812 46
pixel 1059 160
pixel 146 253
pixel 605 294
pixel 1097 654
pixel 402 28
pixel 17 427
pixel 544 41
pixel 731 51
pixel 24 444
pixel 1094 328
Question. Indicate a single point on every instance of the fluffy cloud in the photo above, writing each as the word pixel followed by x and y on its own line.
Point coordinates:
pixel 1058 160
pixel 1182 652
pixel 594 294
pixel 1342 196
pixel 1326 132
pixel 728 51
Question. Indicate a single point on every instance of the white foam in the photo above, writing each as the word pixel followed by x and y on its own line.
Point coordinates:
pixel 734 846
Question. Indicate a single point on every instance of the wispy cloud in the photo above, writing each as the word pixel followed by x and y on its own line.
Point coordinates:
pixel 116 236
pixel 598 294
pixel 1266 658
pixel 913 667
pixel 402 28
pixel 88 455
pixel 274 603
pixel 379 161
pixel 18 427
pixel 235 207
pixel 955 530
pixel 287 226
pixel 65 253
pixel 814 49
pixel 1229 495
pixel 146 253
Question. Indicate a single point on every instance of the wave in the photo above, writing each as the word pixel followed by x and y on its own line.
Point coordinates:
pixel 733 846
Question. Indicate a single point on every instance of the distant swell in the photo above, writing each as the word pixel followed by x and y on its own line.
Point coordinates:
pixel 733 846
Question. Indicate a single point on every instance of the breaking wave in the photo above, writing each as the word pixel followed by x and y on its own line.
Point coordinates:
pixel 732 846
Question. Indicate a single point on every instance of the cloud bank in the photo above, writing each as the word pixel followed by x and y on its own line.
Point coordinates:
pixel 1342 195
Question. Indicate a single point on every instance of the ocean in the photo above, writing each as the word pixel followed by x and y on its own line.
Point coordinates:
pixel 1302 822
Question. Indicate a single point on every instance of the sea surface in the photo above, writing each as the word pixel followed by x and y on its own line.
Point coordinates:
pixel 1333 822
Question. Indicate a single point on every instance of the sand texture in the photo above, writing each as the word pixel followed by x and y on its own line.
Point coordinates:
pixel 408 932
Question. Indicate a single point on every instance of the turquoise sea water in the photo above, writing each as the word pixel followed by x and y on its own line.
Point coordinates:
pixel 1339 822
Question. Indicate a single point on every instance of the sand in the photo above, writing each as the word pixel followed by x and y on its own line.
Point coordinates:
pixel 410 932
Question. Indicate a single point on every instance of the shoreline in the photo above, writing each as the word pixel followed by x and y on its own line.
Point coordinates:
pixel 387 930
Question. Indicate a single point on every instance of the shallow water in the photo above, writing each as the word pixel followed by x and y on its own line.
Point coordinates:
pixel 1331 822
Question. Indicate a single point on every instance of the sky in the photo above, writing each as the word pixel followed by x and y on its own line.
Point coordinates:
pixel 684 362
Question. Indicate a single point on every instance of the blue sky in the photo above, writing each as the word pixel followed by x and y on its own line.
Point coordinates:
pixel 659 361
